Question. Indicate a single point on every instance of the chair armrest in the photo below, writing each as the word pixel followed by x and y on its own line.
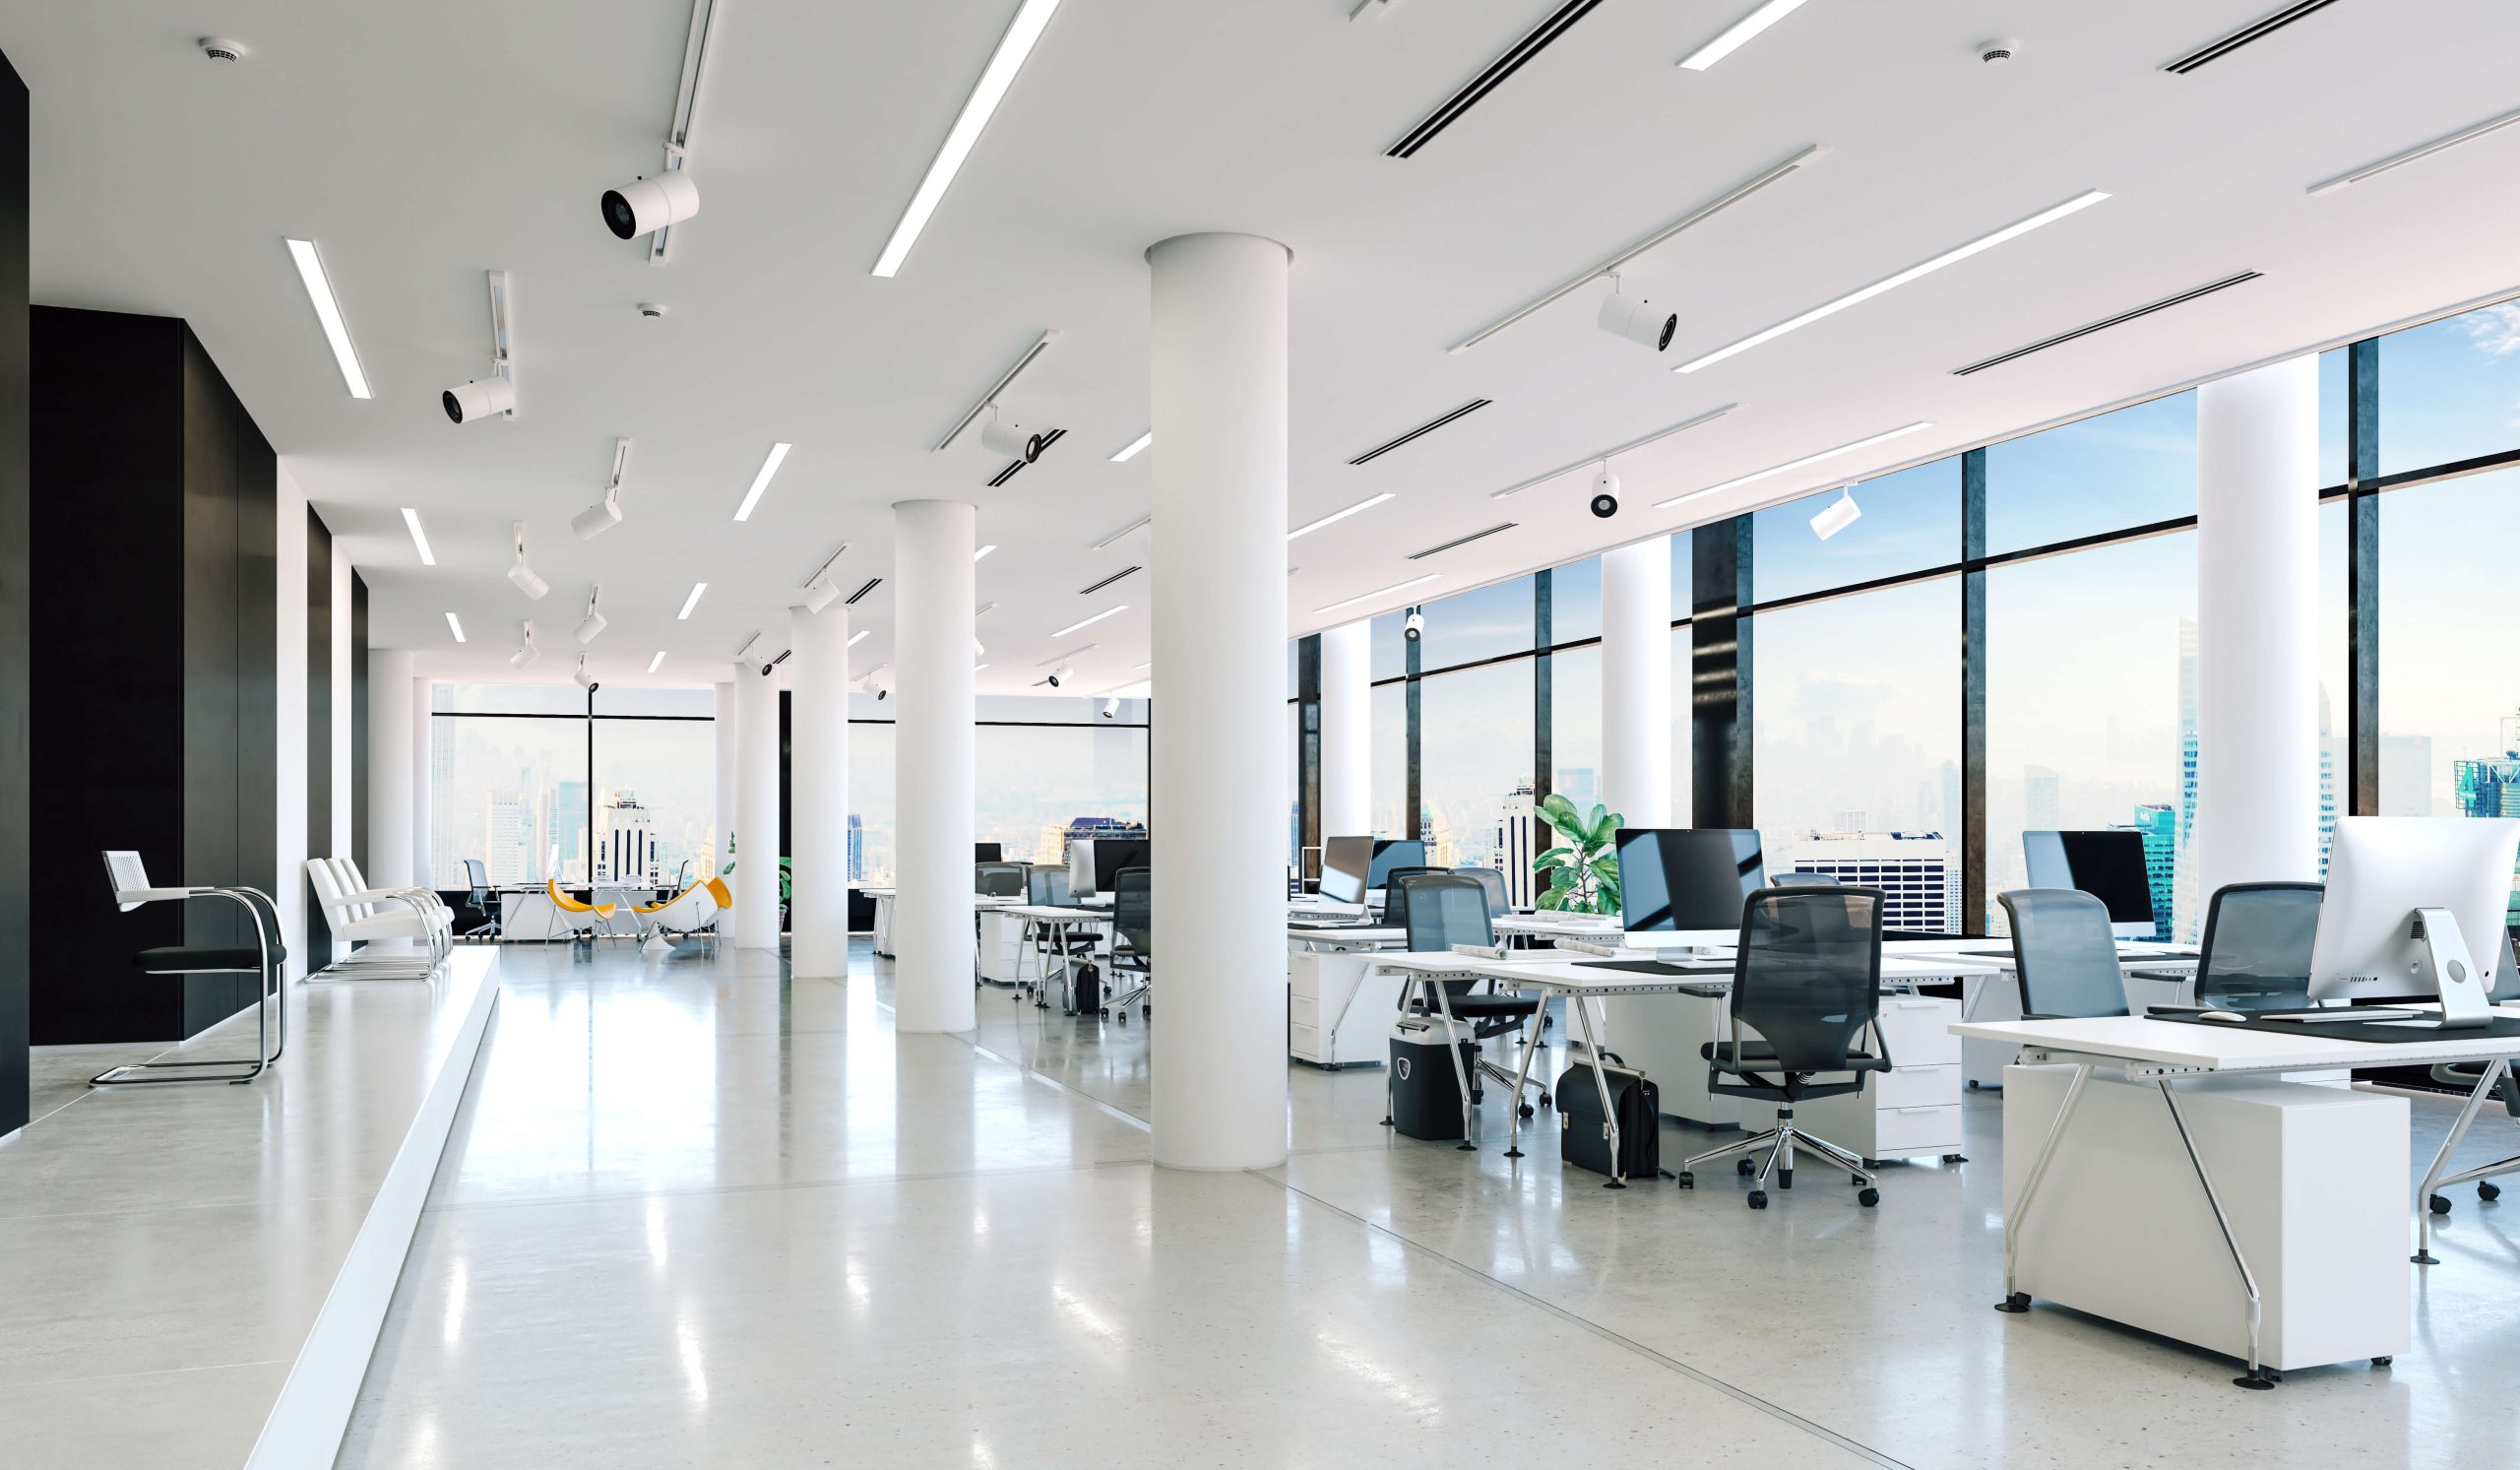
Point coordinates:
pixel 384 895
pixel 138 896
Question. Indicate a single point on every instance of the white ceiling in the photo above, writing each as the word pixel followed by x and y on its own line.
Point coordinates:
pixel 423 144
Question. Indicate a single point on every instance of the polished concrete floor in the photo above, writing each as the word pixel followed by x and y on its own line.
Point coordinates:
pixel 698 1214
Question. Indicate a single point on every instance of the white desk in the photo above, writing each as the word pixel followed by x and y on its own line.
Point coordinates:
pixel 1993 994
pixel 2134 1052
pixel 1337 1009
pixel 1050 929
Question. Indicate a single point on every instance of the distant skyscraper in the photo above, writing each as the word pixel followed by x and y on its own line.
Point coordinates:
pixel 627 843
pixel 2159 822
pixel 509 849
pixel 1912 869
pixel 2042 799
pixel 2490 786
pixel 856 849
pixel 2183 874
pixel 1951 799
pixel 2331 756
pixel 1518 841
pixel 567 828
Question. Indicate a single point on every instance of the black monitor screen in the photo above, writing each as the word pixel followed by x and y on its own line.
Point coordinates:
pixel 2106 864
pixel 1344 860
pixel 1391 853
pixel 989 851
pixel 1111 856
pixel 1687 877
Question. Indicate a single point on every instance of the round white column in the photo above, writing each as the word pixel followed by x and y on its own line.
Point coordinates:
pixel 389 770
pixel 818 779
pixel 932 775
pixel 757 855
pixel 1636 683
pixel 1347 730
pixel 1218 1059
pixel 2257 582
pixel 725 726
pixel 423 789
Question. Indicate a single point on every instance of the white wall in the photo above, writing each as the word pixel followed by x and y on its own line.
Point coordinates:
pixel 290 895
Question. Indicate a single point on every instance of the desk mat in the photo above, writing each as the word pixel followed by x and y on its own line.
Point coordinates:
pixel 2497 1029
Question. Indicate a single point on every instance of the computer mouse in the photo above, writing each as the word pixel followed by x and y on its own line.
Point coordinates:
pixel 2220 1015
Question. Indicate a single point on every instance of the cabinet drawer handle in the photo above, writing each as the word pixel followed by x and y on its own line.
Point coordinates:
pixel 1915 1109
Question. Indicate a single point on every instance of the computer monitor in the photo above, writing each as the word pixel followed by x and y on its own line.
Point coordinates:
pixel 1344 862
pixel 2106 864
pixel 1113 855
pixel 2371 945
pixel 1080 867
pixel 1687 877
pixel 1391 853
pixel 989 851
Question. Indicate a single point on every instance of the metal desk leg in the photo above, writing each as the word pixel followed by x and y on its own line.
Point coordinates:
pixel 1452 1049
pixel 1601 1084
pixel 2257 1377
pixel 2019 1212
pixel 1522 1074
pixel 2493 1074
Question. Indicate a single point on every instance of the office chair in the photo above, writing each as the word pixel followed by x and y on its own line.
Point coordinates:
pixel 691 913
pixel 1443 908
pixel 355 915
pixel 1133 943
pixel 262 959
pixel 1803 881
pixel 479 900
pixel 1808 979
pixel 2256 950
pixel 569 914
pixel 2063 957
pixel 1395 895
pixel 1499 902
pixel 997 879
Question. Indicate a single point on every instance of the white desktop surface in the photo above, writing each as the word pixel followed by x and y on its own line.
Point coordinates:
pixel 2229 1048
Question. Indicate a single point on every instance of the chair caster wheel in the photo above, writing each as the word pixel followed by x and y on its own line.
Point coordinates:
pixel 2383 1361
pixel 1145 1012
pixel 1478 1095
pixel 1688 1180
pixel 1745 1168
pixel 1869 1198
pixel 1543 1100
pixel 1955 1158
pixel 1526 1110
pixel 1758 1200
pixel 2439 1204
pixel 2489 1191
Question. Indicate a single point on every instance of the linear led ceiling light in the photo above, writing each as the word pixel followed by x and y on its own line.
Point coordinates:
pixel 605 514
pixel 328 312
pixel 989 401
pixel 984 551
pixel 1612 266
pixel 1129 451
pixel 494 395
pixel 658 661
pixel 1739 35
pixel 860 636
pixel 522 576
pixel 654 204
pixel 455 625
pixel 2467 134
pixel 995 78
pixel 1339 515
pixel 1123 534
pixel 1091 621
pixel 1367 597
pixel 419 538
pixel 1792 464
pixel 594 621
pixel 691 601
pixel 2014 231
pixel 1605 455
pixel 760 479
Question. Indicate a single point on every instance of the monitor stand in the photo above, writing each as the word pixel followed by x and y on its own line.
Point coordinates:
pixel 2452 971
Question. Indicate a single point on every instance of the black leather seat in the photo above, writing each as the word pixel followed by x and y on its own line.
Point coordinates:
pixel 195 959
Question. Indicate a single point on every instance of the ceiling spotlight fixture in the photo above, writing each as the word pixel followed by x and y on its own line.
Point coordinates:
pixel 2014 231
pixel 1739 33
pixel 594 621
pixel 521 575
pixel 1340 515
pixel 1059 675
pixel 648 205
pixel 1367 597
pixel 995 78
pixel 658 661
pixel 1007 438
pixel 875 681
pixel 1605 501
pixel 455 625
pixel 1789 465
pixel 760 479
pixel 605 514
pixel 1840 514
pixel 494 395
pixel 1091 621
pixel 745 652
pixel 653 203
pixel 691 601
pixel 328 315
pixel 583 680
pixel 1130 450
pixel 419 538
pixel 1637 319
pixel 524 655
pixel 1110 706
pixel 987 402
pixel 820 591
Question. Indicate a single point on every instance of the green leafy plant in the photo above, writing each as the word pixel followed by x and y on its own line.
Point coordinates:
pixel 1582 872
pixel 786 874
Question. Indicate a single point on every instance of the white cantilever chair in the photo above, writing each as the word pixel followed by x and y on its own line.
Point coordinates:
pixel 263 960
pixel 358 915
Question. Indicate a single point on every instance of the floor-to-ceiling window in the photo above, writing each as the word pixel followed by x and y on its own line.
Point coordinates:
pixel 520 779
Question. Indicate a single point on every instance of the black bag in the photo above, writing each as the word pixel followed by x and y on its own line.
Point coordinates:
pixel 1425 1095
pixel 1583 1135
pixel 1085 987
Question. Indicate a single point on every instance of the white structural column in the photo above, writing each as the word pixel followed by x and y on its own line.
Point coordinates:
pixel 1347 729
pixel 757 855
pixel 2257 581
pixel 391 784
pixel 932 776
pixel 728 745
pixel 1636 683
pixel 818 780
pixel 1217 809
pixel 423 788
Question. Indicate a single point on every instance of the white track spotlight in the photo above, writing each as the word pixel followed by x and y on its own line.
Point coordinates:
pixel 1111 707
pixel 595 620
pixel 524 655
pixel 877 682
pixel 605 514
pixel 1605 492
pixel 1841 514
pixel 650 204
pixel 1007 438
pixel 521 575
pixel 1414 626
pixel 483 397
pixel 1061 674
pixel 1637 319
pixel 582 678
pixel 820 594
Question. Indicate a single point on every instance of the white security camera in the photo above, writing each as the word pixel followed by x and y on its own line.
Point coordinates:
pixel 1606 493
pixel 483 397
pixel 1007 438
pixel 1414 626
pixel 1638 320
pixel 650 204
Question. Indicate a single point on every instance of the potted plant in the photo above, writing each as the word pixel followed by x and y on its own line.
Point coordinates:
pixel 787 874
pixel 1581 871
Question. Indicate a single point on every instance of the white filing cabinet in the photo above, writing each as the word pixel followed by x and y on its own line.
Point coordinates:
pixel 1911 1110
pixel 1002 947
pixel 1321 984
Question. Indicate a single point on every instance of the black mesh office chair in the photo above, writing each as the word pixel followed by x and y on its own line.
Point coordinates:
pixel 1395 895
pixel 997 879
pixel 1133 950
pixel 2064 956
pixel 1808 979
pixel 1499 902
pixel 1803 881
pixel 1445 908
pixel 479 900
pixel 2257 951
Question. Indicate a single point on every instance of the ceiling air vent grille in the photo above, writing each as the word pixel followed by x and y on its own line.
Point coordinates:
pixel 871 584
pixel 1490 80
pixel 1462 540
pixel 2103 325
pixel 1126 571
pixel 2257 30
pixel 1428 427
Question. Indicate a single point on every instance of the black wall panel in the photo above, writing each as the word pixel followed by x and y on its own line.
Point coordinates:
pixel 359 725
pixel 15 607
pixel 318 938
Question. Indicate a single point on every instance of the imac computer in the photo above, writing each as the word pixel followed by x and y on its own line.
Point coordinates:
pixel 989 851
pixel 1391 853
pixel 2416 910
pixel 1687 877
pixel 1080 867
pixel 1344 862
pixel 2106 864
pixel 1094 864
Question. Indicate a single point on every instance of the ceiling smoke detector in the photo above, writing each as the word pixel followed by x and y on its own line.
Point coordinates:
pixel 1993 52
pixel 650 311
pixel 225 52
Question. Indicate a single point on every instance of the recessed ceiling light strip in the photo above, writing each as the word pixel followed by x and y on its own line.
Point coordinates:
pixel 999 74
pixel 1462 540
pixel 1739 35
pixel 1490 80
pixel 2257 30
pixel 860 636
pixel 2014 231
pixel 1792 464
pixel 1130 450
pixel 1367 597
pixel 2420 151
pixel 658 661
pixel 1005 380
pixel 691 601
pixel 761 479
pixel 1428 427
pixel 1612 266
pixel 455 625
pixel 328 315
pixel 419 538
pixel 1590 460
pixel 1123 534
pixel 2103 325
pixel 1367 503
pixel 1091 621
